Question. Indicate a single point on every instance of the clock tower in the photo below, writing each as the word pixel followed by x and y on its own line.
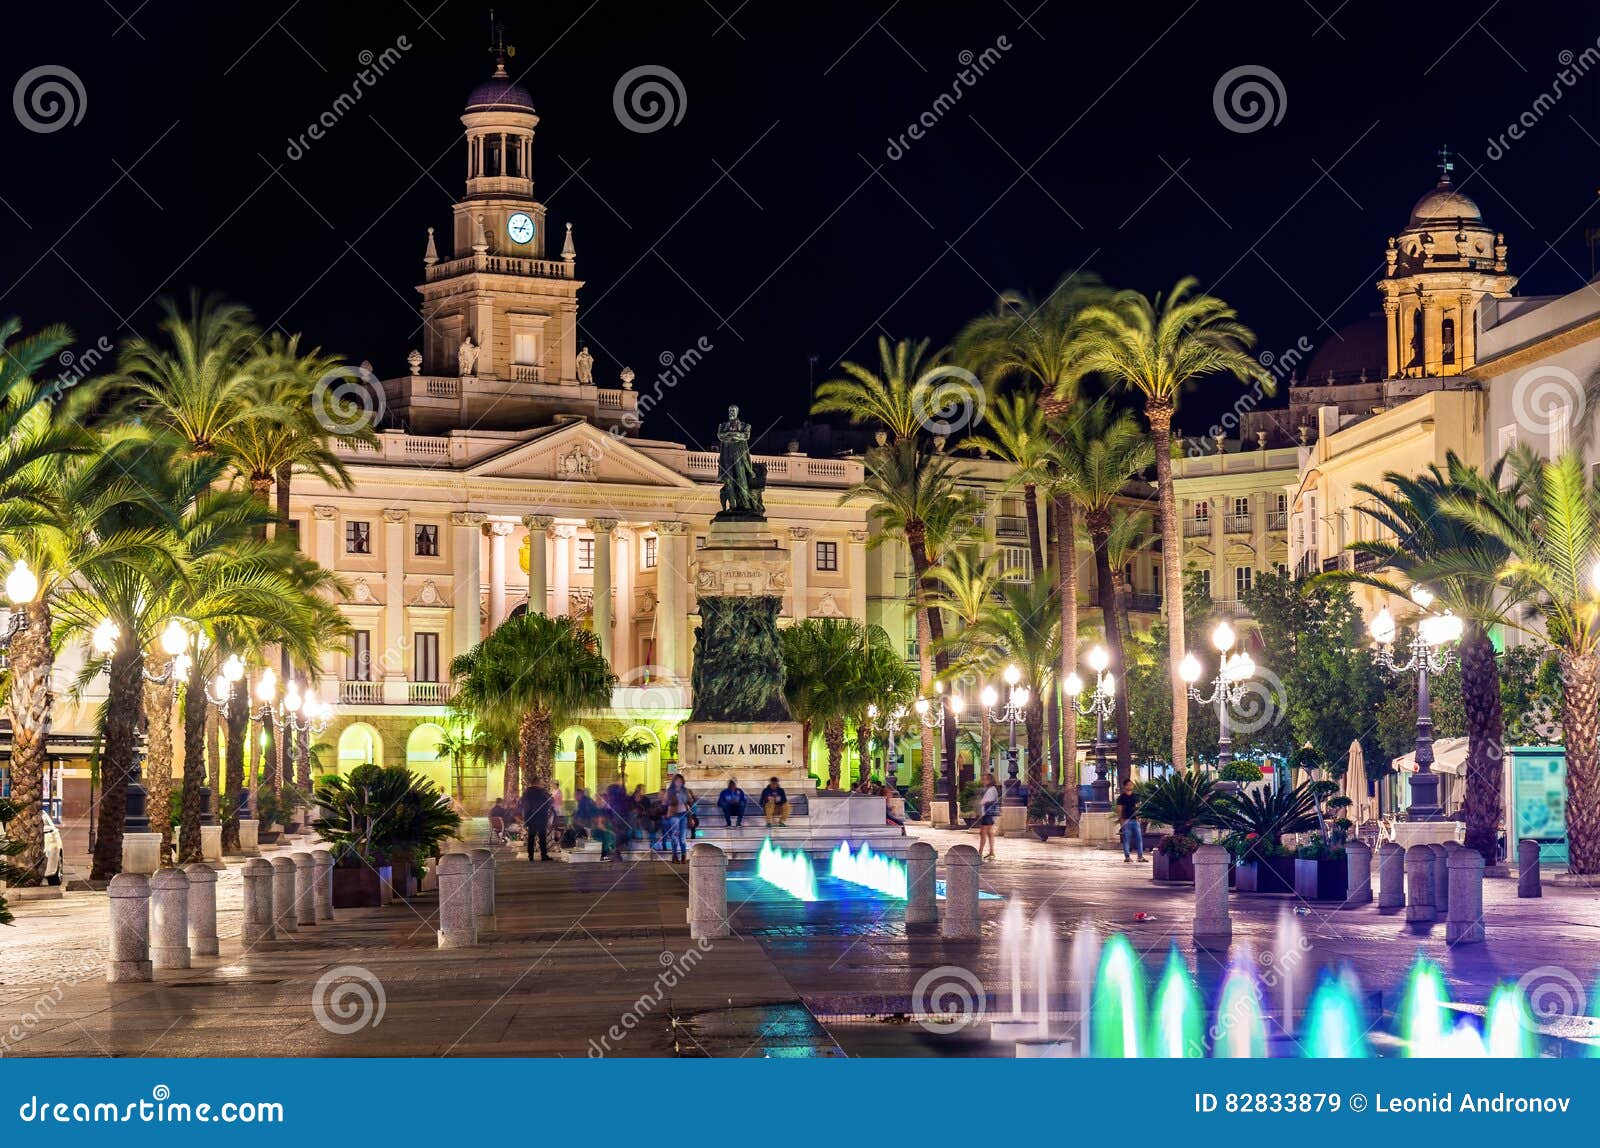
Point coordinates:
pixel 500 315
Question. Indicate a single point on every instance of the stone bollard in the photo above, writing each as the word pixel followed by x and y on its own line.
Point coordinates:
pixel 922 880
pixel 1213 927
pixel 249 836
pixel 130 928
pixel 962 921
pixel 202 909
pixel 284 920
pixel 169 919
pixel 1464 920
pixel 1441 877
pixel 708 892
pixel 1358 874
pixel 322 883
pixel 305 896
pixel 1529 882
pixel 141 853
pixel 258 921
pixel 211 844
pixel 458 924
pixel 1419 884
pixel 1391 876
pixel 483 890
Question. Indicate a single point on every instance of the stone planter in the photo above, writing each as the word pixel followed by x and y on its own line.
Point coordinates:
pixel 357 888
pixel 1268 875
pixel 1164 867
pixel 402 880
pixel 1321 878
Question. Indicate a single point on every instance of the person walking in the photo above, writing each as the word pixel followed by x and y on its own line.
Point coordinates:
pixel 775 803
pixel 679 802
pixel 731 801
pixel 988 814
pixel 1128 817
pixel 536 819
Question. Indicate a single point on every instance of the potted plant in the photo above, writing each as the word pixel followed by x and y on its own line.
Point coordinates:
pixel 1320 870
pixel 1048 813
pixel 1184 802
pixel 1257 821
pixel 375 818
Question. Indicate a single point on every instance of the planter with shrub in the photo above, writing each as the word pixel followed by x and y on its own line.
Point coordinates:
pixel 377 822
pixel 1184 802
pixel 1048 812
pixel 1321 871
pixel 1257 821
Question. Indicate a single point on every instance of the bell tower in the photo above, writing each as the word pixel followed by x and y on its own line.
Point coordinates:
pixel 1437 271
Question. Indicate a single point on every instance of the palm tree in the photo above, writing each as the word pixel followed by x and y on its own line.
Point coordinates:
pixel 1130 535
pixel 1102 451
pixel 1025 629
pixel 1017 435
pixel 539 669
pixel 897 396
pixel 968 588
pixel 1157 347
pixel 625 748
pixel 885 684
pixel 1548 519
pixel 830 676
pixel 1463 567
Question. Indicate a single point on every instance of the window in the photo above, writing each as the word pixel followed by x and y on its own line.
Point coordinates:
pixel 650 541
pixel 292 532
pixel 1447 340
pixel 1558 417
pixel 1205 583
pixel 586 554
pixel 425 663
pixel 1283 504
pixel 1241 580
pixel 1283 570
pixel 524 348
pixel 1202 512
pixel 358 661
pixel 699 541
pixel 358 538
pixel 1508 438
pixel 425 540
pixel 827 556
pixel 1014 563
pixel 1241 508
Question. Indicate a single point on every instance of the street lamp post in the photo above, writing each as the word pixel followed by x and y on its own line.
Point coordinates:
pixel 1015 710
pixel 891 752
pixel 931 715
pixel 22 587
pixel 1227 688
pixel 1430 654
pixel 1100 704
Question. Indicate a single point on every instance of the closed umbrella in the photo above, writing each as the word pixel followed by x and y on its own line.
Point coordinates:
pixel 1354 783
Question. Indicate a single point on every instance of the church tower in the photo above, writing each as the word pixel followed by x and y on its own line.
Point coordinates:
pixel 1438 270
pixel 500 314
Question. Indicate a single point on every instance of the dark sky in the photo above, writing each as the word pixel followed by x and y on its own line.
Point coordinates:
pixel 770 220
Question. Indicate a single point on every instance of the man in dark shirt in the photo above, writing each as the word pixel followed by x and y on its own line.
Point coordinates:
pixel 536 819
pixel 732 801
pixel 1128 817
pixel 775 803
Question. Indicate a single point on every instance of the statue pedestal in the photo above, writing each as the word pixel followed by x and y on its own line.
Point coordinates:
pixel 711 752
pixel 741 559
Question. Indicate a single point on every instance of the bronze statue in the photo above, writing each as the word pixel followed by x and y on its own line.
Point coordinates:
pixel 742 480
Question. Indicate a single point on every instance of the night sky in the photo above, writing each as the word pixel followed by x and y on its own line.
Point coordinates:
pixel 771 220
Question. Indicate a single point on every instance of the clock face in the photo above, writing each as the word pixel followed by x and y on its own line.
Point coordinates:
pixel 520 227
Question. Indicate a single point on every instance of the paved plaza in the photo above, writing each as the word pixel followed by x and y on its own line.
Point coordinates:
pixel 592 959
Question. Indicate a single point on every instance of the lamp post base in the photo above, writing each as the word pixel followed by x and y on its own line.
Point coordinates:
pixel 1425 798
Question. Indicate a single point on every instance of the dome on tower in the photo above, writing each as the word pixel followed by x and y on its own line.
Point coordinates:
pixel 1445 204
pixel 500 91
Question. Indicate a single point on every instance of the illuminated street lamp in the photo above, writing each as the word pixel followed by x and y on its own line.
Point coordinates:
pixel 1430 654
pixel 1015 710
pixel 22 587
pixel 1227 688
pixel 891 724
pixel 1101 704
pixel 931 715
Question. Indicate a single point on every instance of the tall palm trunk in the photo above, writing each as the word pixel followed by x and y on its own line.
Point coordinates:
pixel 833 738
pixel 302 773
pixel 508 785
pixel 196 720
pixel 1480 695
pixel 947 729
pixel 1066 563
pixel 1033 724
pixel 533 747
pixel 238 732
pixel 1052 701
pixel 28 706
pixel 916 543
pixel 1099 535
pixel 119 761
pixel 1159 414
pixel 213 736
pixel 1580 728
pixel 985 739
pixel 1030 503
pixel 158 697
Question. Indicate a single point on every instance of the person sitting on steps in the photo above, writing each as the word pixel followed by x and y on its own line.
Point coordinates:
pixel 775 803
pixel 731 801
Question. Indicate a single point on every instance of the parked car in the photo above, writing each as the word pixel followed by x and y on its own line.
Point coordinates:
pixel 54 853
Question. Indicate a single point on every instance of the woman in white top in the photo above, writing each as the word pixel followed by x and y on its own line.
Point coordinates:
pixel 988 814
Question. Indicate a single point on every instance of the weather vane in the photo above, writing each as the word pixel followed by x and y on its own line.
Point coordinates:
pixel 497 43
pixel 1446 165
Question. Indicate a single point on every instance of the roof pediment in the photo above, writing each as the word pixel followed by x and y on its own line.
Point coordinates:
pixel 579 452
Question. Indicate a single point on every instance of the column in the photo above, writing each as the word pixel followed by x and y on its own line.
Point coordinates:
pixel 625 563
pixel 497 532
pixel 1391 320
pixel 467 629
pixel 799 555
pixel 858 581
pixel 602 528
pixel 538 538
pixel 1467 334
pixel 672 597
pixel 1431 352
pixel 325 543
pixel 562 604
pixel 392 668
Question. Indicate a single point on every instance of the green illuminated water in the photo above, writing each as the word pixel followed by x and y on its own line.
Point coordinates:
pixel 1116 1019
pixel 1177 1027
pixel 1335 1025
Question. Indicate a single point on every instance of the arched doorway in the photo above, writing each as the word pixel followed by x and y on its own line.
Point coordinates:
pixel 359 744
pixel 644 769
pixel 424 759
pixel 575 760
